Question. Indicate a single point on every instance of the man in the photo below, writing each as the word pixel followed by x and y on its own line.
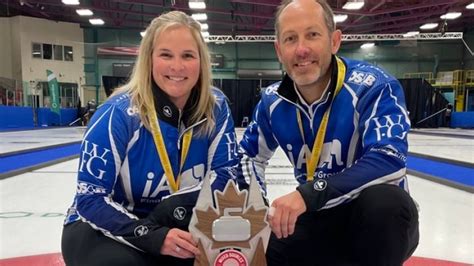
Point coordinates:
pixel 343 126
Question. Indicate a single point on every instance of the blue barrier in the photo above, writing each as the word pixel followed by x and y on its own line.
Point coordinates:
pixel 16 117
pixel 12 117
pixel 462 119
pixel 48 118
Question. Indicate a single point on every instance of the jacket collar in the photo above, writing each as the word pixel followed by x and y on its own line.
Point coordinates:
pixel 168 112
pixel 287 87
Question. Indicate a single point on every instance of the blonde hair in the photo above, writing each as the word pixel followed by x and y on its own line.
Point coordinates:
pixel 328 15
pixel 140 84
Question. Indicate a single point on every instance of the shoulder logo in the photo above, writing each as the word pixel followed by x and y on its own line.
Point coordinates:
pixel 140 230
pixel 167 111
pixel 362 78
pixel 320 185
pixel 179 213
pixel 271 89
pixel 132 110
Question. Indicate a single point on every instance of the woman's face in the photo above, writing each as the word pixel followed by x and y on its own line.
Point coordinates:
pixel 176 63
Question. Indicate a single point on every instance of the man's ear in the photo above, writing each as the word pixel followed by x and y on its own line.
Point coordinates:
pixel 336 38
pixel 277 49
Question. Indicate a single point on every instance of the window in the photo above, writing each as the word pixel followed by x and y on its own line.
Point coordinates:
pixel 36 50
pixel 68 55
pixel 47 51
pixel 58 52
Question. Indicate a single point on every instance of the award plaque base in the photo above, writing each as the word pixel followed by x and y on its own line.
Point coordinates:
pixel 233 232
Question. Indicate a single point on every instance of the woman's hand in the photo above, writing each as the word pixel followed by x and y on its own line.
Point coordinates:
pixel 180 244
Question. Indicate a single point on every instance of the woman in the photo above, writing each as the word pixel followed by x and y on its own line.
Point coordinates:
pixel 145 153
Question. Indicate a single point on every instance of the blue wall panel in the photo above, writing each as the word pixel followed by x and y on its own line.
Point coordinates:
pixel 15 117
pixel 12 117
pixel 462 119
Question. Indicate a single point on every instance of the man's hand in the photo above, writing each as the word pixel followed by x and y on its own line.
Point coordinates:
pixel 284 212
pixel 180 244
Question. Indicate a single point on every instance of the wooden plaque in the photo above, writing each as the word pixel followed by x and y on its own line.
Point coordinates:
pixel 234 230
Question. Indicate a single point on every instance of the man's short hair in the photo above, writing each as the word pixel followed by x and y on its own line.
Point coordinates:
pixel 328 15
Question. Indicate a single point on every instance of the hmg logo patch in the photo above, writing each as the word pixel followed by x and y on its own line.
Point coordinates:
pixel 389 126
pixel 93 159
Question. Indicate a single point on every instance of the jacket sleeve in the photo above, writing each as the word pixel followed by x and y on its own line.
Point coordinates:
pixel 257 146
pixel 103 150
pixel 222 153
pixel 383 126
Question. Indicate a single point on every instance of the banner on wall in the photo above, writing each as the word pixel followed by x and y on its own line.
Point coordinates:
pixel 53 91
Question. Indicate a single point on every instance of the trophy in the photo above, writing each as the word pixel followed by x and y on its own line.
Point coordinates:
pixel 235 230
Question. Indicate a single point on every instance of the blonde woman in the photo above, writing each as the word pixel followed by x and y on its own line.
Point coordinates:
pixel 145 153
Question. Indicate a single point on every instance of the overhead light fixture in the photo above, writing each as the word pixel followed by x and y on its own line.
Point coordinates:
pixel 199 16
pixel 411 34
pixel 204 26
pixel 197 4
pixel 470 6
pixel 71 2
pixel 96 21
pixel 340 18
pixel 367 45
pixel 205 34
pixel 429 26
pixel 142 33
pixel 451 15
pixel 353 4
pixel 84 12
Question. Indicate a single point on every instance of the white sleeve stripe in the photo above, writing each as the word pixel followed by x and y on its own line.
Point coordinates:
pixel 110 235
pixel 94 125
pixel 119 208
pixel 117 159
pixel 392 178
pixel 215 143
pixel 355 133
pixel 407 118
pixel 372 115
pixel 125 173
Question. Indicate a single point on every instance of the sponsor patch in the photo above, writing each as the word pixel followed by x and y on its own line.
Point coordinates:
pixel 140 230
pixel 320 185
pixel 167 111
pixel 179 213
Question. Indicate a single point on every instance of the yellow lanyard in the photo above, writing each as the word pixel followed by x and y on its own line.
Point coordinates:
pixel 312 159
pixel 161 148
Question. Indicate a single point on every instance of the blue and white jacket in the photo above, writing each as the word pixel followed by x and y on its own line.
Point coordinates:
pixel 122 189
pixel 365 142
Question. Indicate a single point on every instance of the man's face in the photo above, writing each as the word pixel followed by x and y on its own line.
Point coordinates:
pixel 305 45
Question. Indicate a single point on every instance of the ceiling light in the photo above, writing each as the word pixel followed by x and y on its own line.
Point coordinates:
pixel 367 45
pixel 96 21
pixel 340 18
pixel 470 6
pixel 204 26
pixel 429 26
pixel 142 33
pixel 197 4
pixel 199 16
pixel 205 34
pixel 71 2
pixel 353 4
pixel 84 12
pixel 411 34
pixel 451 15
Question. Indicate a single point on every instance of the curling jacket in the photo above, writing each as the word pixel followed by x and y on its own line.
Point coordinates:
pixel 121 186
pixel 365 142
